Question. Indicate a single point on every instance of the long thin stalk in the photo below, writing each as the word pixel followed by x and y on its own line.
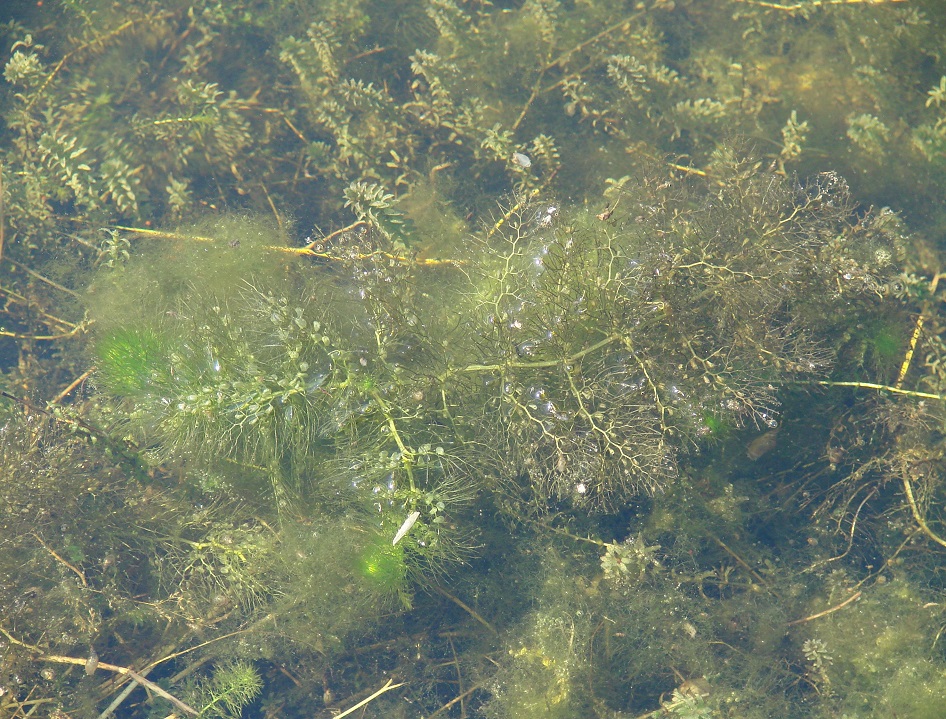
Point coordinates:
pixel 386 688
pixel 58 659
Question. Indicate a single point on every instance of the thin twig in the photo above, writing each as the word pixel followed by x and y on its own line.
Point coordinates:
pixel 2 215
pixel 17 297
pixel 60 559
pixel 84 243
pixel 386 688
pixel 850 541
pixel 100 40
pixel 295 130
pixel 128 672
pixel 883 388
pixel 453 701
pixel 536 88
pixel 41 278
pixel 328 238
pixel 921 522
pixel 367 53
pixel 306 251
pixel 163 234
pixel 57 416
pixel 181 653
pixel 469 610
pixel 456 664
pixel 908 357
pixel 826 612
pixel 400 259
pixel 72 385
pixel 889 561
pixel 811 4
pixel 544 363
pixel 758 577
pixel 60 336
pixel 57 659
pixel 272 205
pixel 582 45
pixel 117 701
pixel 565 56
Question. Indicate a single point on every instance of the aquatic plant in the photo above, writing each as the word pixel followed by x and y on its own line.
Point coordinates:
pixel 419 363
pixel 228 690
pixel 607 344
pixel 128 360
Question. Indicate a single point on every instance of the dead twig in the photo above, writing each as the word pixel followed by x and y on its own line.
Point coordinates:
pixel 41 278
pixel 812 4
pixel 100 40
pixel 826 612
pixel 60 559
pixel 2 215
pixel 72 385
pixel 386 688
pixel 453 701
pixel 908 357
pixel 465 608
pixel 917 515
pixel 58 659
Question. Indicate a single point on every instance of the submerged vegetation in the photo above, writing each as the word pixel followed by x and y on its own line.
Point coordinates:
pixel 500 360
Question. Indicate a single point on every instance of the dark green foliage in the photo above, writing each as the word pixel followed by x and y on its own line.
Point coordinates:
pixel 877 345
pixel 570 361
pixel 372 205
pixel 72 573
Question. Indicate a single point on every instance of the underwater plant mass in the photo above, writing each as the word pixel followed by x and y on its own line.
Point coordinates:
pixel 441 358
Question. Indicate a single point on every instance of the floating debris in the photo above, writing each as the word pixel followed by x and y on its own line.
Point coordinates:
pixel 406 527
pixel 763 444
pixel 522 160
pixel 92 663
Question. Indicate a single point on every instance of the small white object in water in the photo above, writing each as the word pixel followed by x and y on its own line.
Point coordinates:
pixel 406 527
pixel 521 160
pixel 92 663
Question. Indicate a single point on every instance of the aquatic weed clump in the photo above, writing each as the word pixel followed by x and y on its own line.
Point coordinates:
pixel 882 651
pixel 611 345
pixel 593 351
pixel 580 374
pixel 240 382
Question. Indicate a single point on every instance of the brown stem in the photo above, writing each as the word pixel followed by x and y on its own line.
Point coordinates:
pixel 58 659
